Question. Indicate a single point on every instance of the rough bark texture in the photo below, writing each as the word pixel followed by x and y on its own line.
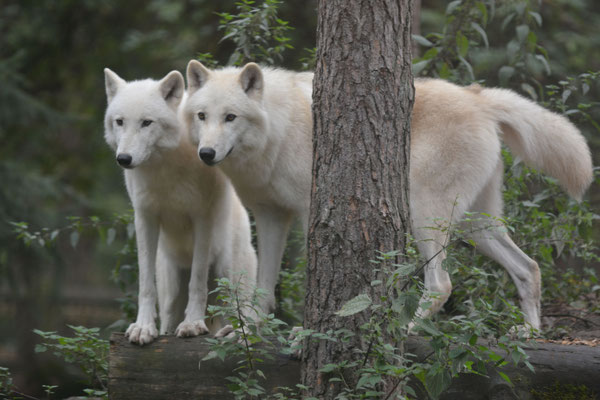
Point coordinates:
pixel 362 99
pixel 170 368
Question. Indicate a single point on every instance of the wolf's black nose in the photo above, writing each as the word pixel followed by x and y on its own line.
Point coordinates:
pixel 124 160
pixel 207 154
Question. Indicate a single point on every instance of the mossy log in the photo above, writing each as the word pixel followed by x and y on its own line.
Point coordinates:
pixel 170 368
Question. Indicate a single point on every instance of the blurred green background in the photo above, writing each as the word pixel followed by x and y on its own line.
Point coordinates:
pixel 54 162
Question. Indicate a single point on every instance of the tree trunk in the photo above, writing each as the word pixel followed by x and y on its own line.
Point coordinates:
pixel 362 99
pixel 416 25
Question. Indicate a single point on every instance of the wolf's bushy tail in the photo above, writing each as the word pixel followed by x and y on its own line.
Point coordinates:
pixel 543 139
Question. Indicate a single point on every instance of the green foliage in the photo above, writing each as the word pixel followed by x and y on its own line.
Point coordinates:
pixel 458 52
pixel 85 350
pixel 447 52
pixel 457 344
pixel 7 388
pixel 259 35
pixel 251 339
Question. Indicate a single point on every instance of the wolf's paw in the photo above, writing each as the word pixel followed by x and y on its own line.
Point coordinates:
pixel 191 328
pixel 141 333
pixel 227 332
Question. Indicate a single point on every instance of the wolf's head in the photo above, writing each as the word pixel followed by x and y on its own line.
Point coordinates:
pixel 141 116
pixel 224 112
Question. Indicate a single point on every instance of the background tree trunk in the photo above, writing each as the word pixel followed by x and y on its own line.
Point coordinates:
pixel 362 99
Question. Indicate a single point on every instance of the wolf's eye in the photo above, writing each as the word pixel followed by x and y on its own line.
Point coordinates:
pixel 230 117
pixel 146 123
pixel 201 116
pixel 119 121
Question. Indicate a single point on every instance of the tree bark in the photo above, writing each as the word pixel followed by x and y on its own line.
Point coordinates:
pixel 362 99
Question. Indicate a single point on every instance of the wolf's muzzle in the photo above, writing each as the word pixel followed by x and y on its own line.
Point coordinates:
pixel 124 160
pixel 207 154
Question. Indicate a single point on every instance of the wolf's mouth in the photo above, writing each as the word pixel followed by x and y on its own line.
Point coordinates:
pixel 229 152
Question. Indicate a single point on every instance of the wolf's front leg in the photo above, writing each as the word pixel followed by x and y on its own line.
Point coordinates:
pixel 193 324
pixel 144 329
pixel 272 226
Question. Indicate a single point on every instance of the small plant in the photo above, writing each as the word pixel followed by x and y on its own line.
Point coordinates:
pixel 86 350
pixel 7 387
pixel 251 339
pixel 259 35
pixel 447 52
pixel 457 345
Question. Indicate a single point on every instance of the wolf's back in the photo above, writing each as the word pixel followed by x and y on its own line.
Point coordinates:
pixel 545 140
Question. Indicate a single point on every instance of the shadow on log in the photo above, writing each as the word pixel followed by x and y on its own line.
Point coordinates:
pixel 170 368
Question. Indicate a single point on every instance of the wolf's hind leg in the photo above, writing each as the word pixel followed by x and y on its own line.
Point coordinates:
pixel 495 243
pixel 172 290
pixel 492 240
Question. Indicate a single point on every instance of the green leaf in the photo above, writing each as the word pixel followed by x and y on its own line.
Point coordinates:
pixel 431 53
pixel 355 305
pixel 452 6
pixel 512 48
pixel 422 41
pixel 437 383
pixel 468 66
pixel 483 10
pixel 544 61
pixel 444 71
pixel 516 357
pixel 522 33
pixel 456 353
pixel 505 73
pixel 527 88
pixel 368 379
pixel 537 17
pixel 505 377
pixel 481 32
pixel 565 95
pixel 462 44
pixel 428 327
pixel 40 348
pixel 329 368
pixel 419 66
pixel 585 88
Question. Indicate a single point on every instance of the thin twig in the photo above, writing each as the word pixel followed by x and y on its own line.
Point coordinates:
pixel 393 389
pixel 244 335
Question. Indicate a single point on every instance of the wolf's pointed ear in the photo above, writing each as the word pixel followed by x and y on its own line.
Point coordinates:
pixel 113 83
pixel 197 75
pixel 251 80
pixel 171 88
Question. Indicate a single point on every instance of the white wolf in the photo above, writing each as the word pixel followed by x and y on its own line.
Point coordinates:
pixel 188 219
pixel 259 132
pixel 256 125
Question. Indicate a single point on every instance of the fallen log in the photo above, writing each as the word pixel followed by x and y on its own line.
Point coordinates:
pixel 170 368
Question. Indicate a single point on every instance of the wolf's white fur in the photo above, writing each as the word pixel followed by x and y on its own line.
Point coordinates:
pixel 188 218
pixel 455 161
pixel 269 147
